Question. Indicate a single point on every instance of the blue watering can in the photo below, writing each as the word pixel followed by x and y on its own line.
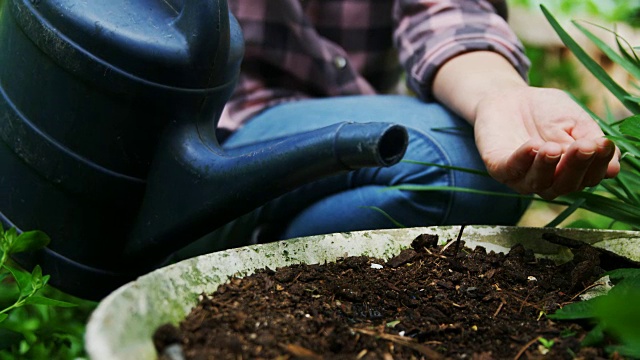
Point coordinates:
pixel 108 111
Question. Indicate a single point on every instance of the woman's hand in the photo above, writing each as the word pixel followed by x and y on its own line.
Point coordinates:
pixel 540 141
pixel 535 140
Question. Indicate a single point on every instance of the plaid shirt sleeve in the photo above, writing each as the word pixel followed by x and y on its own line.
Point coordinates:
pixel 296 49
pixel 430 32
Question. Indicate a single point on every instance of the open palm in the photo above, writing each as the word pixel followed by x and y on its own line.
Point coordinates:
pixel 538 140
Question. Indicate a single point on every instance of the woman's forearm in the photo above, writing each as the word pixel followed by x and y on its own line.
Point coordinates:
pixel 463 81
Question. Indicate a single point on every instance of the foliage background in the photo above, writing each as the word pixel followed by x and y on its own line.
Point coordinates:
pixel 607 10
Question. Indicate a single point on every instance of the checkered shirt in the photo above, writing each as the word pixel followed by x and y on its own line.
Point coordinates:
pixel 297 49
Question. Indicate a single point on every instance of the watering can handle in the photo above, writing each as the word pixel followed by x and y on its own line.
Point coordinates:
pixel 214 15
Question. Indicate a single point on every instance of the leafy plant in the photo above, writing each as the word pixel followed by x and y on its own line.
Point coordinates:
pixel 614 315
pixel 28 284
pixel 28 329
pixel 618 198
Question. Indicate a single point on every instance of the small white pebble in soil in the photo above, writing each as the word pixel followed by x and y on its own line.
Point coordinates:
pixel 543 350
pixel 376 266
pixel 532 278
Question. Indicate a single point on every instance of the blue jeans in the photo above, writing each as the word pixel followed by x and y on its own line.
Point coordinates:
pixel 346 202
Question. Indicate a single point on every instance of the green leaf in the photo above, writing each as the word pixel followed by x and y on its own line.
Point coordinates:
pixel 37 280
pixel 625 273
pixel 625 287
pixel 594 337
pixel 42 300
pixel 635 99
pixel 619 314
pixel 575 311
pixel 22 278
pixel 631 126
pixel 546 343
pixel 392 324
pixel 591 65
pixel 7 240
pixel 3 317
pixel 632 352
pixel 614 314
pixel 29 241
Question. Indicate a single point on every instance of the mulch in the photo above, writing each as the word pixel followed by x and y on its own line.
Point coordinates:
pixel 428 302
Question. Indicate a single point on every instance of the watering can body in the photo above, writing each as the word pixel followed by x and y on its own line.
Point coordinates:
pixel 108 112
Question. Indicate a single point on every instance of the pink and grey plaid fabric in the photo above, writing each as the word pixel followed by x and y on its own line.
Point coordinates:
pixel 296 49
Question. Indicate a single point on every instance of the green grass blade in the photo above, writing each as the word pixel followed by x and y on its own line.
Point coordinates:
pixel 448 167
pixel 602 205
pixel 385 214
pixel 620 93
pixel 568 211
pixel 606 127
pixel 620 194
pixel 454 129
pixel 631 67
pixel 621 141
pixel 626 143
pixel 632 57
pixel 623 183
pixel 631 127
pixel 415 187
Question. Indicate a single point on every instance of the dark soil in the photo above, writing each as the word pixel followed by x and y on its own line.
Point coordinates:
pixel 426 303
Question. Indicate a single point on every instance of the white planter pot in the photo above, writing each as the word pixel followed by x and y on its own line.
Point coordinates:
pixel 123 324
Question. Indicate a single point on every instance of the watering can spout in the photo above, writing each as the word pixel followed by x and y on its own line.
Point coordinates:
pixel 197 187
